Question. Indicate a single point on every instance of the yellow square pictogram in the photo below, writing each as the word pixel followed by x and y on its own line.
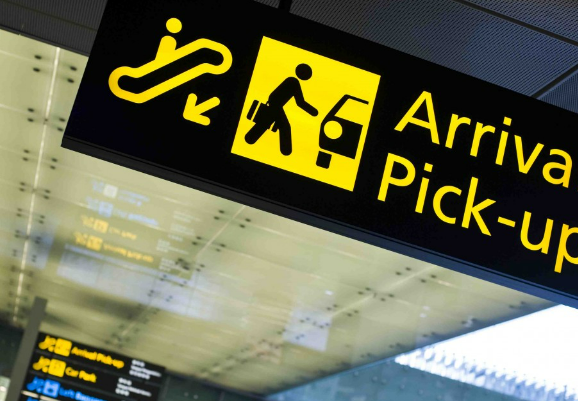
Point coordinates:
pixel 57 368
pixel 94 243
pixel 42 364
pixel 62 347
pixel 306 113
pixel 100 225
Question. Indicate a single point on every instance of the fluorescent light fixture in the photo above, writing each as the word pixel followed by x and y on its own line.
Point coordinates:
pixel 534 354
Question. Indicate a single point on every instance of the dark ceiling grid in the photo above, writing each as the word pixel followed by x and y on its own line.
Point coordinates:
pixel 54 22
pixel 453 35
pixel 84 13
pixel 559 80
pixel 556 18
pixel 559 17
pixel 564 95
pixel 538 27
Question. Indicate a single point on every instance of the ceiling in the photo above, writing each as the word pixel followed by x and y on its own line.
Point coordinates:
pixel 214 289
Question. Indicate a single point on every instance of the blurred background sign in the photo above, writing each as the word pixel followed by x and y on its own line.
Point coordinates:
pixel 62 369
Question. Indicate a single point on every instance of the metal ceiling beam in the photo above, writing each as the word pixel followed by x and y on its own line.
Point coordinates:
pixel 559 79
pixel 517 22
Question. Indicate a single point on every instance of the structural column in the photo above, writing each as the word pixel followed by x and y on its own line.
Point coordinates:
pixel 26 348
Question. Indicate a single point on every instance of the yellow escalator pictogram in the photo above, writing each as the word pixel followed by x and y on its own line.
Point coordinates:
pixel 167 54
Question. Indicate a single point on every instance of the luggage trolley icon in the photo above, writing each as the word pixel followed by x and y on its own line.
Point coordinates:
pixel 338 135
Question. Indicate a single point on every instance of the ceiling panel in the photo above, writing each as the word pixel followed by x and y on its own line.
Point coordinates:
pixel 557 16
pixel 44 22
pixel 453 35
pixel 87 14
pixel 565 94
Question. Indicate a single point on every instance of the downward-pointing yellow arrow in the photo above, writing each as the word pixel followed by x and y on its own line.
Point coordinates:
pixel 194 112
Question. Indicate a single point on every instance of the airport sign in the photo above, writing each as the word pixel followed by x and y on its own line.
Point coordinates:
pixel 265 108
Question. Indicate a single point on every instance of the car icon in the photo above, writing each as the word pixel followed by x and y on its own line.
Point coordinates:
pixel 339 135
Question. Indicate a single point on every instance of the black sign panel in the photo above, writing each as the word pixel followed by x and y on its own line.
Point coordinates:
pixel 277 112
pixel 62 369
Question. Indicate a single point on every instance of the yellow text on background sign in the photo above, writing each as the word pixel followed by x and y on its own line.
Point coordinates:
pixel 58 368
pixel 59 346
pixel 330 81
pixel 54 367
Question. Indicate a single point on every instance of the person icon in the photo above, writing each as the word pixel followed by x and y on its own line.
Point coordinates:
pixel 275 114
pixel 168 44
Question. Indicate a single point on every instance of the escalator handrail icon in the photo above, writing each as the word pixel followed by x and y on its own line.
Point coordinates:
pixel 172 83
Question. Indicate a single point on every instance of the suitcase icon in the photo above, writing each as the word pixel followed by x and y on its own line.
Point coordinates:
pixel 259 111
